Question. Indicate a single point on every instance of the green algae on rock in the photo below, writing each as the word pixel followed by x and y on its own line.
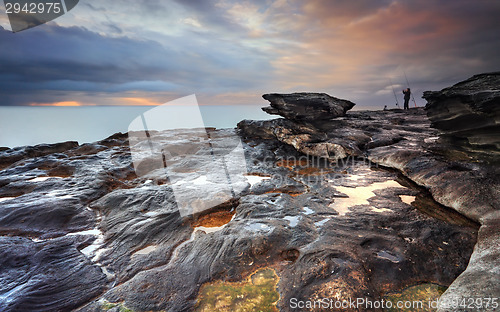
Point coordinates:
pixel 116 307
pixel 257 293
pixel 419 298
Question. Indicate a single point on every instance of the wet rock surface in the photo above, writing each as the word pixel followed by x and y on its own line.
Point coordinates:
pixel 316 204
pixel 303 238
pixel 126 244
pixel 47 275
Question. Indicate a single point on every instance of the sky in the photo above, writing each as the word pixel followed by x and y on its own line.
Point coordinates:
pixel 231 52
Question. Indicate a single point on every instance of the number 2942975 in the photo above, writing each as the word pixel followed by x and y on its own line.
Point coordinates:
pixel 33 8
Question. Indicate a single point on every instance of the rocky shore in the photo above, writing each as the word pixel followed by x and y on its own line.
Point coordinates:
pixel 327 204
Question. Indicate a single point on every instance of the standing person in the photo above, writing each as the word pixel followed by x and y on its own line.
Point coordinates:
pixel 407 94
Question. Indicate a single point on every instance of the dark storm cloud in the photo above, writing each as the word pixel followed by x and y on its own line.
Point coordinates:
pixel 76 59
pixel 56 53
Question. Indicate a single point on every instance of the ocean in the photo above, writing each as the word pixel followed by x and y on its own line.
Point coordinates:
pixel 26 125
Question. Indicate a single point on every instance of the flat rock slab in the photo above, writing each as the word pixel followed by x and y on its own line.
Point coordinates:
pixel 123 243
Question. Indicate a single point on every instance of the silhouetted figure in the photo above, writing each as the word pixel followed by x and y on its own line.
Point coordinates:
pixel 407 94
pixel 385 107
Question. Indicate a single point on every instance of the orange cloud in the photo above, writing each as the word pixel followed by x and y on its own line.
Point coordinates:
pixel 66 103
pixel 140 101
pixel 356 45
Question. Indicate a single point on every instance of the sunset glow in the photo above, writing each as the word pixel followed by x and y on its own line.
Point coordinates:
pixel 139 102
pixel 67 103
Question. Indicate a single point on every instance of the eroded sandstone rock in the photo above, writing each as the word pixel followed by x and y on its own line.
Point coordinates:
pixel 306 106
pixel 120 239
pixel 457 164
pixel 468 114
pixel 133 248
pixel 47 275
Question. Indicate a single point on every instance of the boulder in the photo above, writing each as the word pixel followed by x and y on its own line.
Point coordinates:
pixel 468 113
pixel 306 106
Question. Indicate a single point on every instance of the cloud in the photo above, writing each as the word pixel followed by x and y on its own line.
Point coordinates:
pixel 77 54
pixel 140 102
pixel 358 45
pixel 67 103
pixel 227 50
pixel 52 57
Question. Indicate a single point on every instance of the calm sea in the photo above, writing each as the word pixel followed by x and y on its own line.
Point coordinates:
pixel 21 126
